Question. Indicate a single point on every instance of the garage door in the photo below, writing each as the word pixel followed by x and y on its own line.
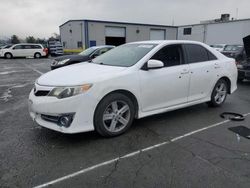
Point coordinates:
pixel 157 34
pixel 115 32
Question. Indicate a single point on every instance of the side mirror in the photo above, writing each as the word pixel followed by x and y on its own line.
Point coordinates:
pixel 154 64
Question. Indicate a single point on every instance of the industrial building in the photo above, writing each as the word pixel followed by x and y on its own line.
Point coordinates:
pixel 85 33
pixel 218 31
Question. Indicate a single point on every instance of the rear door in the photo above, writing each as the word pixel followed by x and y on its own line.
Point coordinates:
pixel 28 50
pixel 167 86
pixel 204 71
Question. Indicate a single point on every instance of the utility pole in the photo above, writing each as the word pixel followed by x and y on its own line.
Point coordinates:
pixel 237 12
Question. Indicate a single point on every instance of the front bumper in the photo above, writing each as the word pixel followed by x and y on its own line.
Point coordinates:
pixel 82 106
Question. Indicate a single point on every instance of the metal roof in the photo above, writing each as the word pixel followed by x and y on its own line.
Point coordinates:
pixel 230 21
pixel 114 22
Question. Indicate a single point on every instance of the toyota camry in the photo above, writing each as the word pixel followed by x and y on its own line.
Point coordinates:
pixel 134 80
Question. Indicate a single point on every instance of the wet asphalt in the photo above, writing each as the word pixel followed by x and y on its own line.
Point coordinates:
pixel 31 155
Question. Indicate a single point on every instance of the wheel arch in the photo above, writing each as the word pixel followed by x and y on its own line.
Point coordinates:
pixel 127 93
pixel 8 53
pixel 228 81
pixel 37 53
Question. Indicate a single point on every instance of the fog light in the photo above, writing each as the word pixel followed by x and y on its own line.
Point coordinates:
pixel 65 120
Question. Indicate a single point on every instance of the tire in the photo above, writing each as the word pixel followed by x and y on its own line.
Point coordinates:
pixel 114 115
pixel 219 93
pixel 8 55
pixel 37 55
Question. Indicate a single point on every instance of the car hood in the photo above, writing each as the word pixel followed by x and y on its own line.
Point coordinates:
pixel 79 74
pixel 246 41
pixel 72 57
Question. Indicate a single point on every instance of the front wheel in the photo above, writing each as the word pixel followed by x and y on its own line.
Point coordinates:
pixel 114 115
pixel 8 55
pixel 219 93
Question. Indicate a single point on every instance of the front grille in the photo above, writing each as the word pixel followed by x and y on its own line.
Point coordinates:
pixel 41 93
pixel 53 119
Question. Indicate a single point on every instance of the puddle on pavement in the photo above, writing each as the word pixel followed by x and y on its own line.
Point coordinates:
pixel 241 131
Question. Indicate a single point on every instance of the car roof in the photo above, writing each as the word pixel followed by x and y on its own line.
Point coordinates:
pixel 102 46
pixel 167 42
pixel 27 44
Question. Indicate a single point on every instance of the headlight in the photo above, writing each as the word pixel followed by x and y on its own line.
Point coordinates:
pixel 63 62
pixel 64 92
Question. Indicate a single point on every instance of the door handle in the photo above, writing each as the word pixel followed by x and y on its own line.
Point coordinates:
pixel 185 71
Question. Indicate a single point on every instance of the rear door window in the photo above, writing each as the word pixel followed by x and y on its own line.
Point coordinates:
pixel 197 53
pixel 36 47
pixel 27 47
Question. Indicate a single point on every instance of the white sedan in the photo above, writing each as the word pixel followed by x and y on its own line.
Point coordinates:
pixel 134 80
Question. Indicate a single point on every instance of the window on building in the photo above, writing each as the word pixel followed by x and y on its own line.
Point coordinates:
pixel 187 31
pixel 64 44
pixel 169 55
pixel 197 53
pixel 79 44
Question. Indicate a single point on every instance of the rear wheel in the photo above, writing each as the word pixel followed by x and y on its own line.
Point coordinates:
pixel 37 55
pixel 219 93
pixel 8 55
pixel 114 115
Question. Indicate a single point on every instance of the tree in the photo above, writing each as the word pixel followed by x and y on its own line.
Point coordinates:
pixel 30 39
pixel 14 39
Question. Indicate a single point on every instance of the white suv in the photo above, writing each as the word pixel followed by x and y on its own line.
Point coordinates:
pixel 24 50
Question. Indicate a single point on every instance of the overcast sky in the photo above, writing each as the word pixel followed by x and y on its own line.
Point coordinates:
pixel 41 18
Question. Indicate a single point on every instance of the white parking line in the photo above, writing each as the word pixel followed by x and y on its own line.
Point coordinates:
pixel 130 154
pixel 30 67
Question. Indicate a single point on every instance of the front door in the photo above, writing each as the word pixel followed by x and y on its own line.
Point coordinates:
pixel 167 86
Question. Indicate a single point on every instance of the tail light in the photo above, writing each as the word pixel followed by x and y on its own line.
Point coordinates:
pixel 45 50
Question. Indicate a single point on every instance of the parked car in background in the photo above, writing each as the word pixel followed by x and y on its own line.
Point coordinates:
pixel 244 65
pixel 218 47
pixel 85 55
pixel 134 80
pixel 24 50
pixel 234 51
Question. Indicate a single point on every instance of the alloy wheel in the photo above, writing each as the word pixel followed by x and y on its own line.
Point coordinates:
pixel 116 116
pixel 221 93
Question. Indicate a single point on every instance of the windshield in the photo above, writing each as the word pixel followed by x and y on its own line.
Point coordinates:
pixel 125 55
pixel 88 51
pixel 233 48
